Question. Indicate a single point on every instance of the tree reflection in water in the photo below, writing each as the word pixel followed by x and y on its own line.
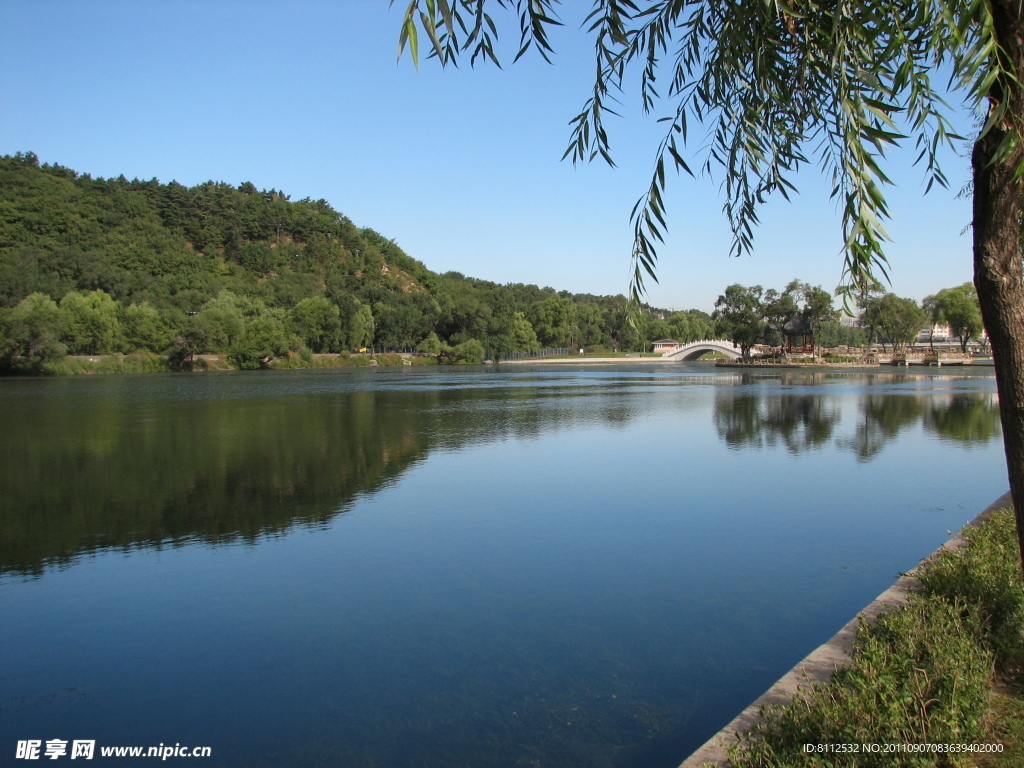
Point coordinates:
pixel 804 423
pixel 799 422
pixel 966 418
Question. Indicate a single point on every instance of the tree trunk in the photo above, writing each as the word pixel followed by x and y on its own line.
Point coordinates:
pixel 997 254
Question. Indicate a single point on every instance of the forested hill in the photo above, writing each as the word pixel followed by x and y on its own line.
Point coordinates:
pixel 93 266
pixel 178 247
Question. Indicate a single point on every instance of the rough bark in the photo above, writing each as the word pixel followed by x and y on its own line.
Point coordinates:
pixel 997 253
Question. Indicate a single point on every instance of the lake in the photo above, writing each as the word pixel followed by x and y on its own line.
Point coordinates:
pixel 524 566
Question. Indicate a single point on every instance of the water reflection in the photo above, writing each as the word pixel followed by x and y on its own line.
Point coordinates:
pixel 113 471
pixel 504 569
pixel 113 475
pixel 966 418
pixel 882 418
pixel 111 468
pixel 799 422
pixel 804 423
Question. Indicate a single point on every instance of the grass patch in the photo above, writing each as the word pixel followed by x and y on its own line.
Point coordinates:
pixel 389 359
pixel 147 362
pixel 1004 725
pixel 140 362
pixel 985 577
pixel 945 669
pixel 577 356
pixel 303 359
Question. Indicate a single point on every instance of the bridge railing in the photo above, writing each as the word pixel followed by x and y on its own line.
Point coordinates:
pixel 712 345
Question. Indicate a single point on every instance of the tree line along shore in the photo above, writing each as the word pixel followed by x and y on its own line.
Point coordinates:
pixel 157 276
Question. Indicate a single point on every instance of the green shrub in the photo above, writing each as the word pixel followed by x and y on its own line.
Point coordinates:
pixel 917 676
pixel 293 359
pixel 920 675
pixel 469 352
pixel 985 577
pixel 139 362
pixel 264 339
pixel 341 360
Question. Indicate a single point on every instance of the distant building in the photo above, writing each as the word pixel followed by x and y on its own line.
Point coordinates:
pixel 666 345
pixel 798 336
pixel 943 335
pixel 934 333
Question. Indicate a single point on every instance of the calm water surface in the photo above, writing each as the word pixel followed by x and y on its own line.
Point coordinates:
pixel 455 567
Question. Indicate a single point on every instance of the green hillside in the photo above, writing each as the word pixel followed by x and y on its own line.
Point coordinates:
pixel 93 266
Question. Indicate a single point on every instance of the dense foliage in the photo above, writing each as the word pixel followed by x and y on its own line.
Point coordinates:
pixel 103 266
pixel 92 266
pixel 750 315
pixel 959 308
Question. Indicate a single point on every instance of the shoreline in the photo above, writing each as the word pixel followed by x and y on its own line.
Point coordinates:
pixel 594 360
pixel 735 364
pixel 150 363
pixel 817 667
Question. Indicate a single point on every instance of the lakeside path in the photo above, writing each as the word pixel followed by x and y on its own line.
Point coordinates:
pixel 710 363
pixel 875 367
pixel 577 360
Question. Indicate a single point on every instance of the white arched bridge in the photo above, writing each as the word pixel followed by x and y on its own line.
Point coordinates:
pixel 694 349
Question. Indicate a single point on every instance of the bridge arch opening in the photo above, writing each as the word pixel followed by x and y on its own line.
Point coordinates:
pixel 699 353
pixel 697 349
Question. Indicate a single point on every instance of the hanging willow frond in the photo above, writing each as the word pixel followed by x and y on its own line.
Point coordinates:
pixel 455 27
pixel 776 85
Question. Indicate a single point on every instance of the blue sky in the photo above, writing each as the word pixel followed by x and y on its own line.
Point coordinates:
pixel 461 168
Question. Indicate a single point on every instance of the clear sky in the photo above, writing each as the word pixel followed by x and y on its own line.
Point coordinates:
pixel 462 168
